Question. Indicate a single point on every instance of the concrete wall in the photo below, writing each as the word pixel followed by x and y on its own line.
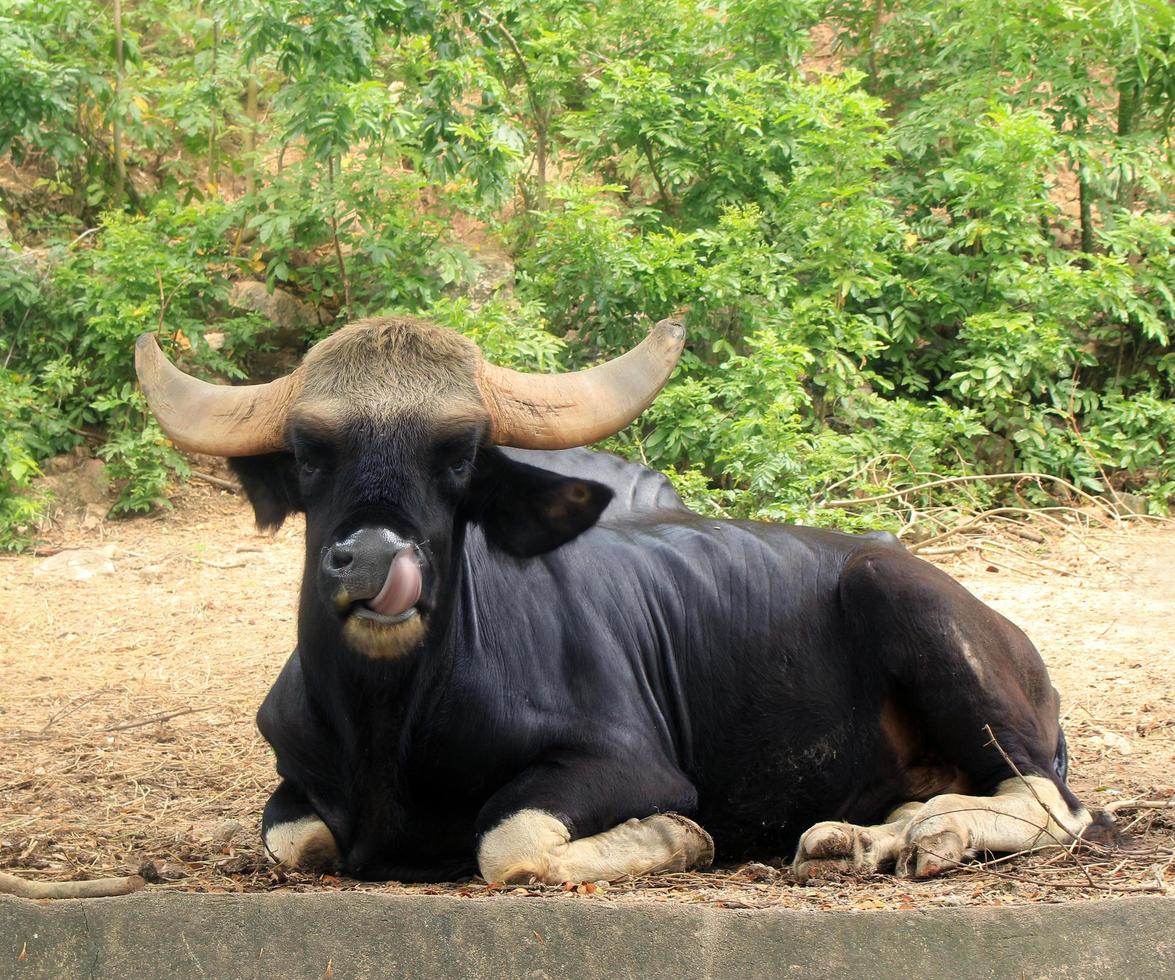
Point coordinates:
pixel 357 935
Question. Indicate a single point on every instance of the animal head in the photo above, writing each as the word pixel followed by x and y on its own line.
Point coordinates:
pixel 385 436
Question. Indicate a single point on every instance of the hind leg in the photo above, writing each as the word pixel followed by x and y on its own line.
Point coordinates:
pixel 920 840
pixel 958 670
pixel 955 673
pixel 1020 814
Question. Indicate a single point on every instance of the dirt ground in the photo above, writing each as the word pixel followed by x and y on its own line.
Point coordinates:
pixel 127 734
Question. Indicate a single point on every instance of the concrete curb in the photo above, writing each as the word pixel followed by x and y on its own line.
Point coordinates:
pixel 359 935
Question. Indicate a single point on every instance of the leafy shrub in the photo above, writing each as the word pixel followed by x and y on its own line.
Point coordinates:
pixel 952 257
pixel 508 334
pixel 75 325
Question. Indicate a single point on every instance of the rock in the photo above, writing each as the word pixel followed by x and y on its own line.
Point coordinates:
pixel 94 516
pixel 91 485
pixel 996 453
pixel 494 275
pixel 152 872
pixel 1112 742
pixel 78 565
pixel 227 830
pixel 30 262
pixel 156 872
pixel 78 485
pixel 1130 503
pixel 216 831
pixel 291 318
pixel 64 463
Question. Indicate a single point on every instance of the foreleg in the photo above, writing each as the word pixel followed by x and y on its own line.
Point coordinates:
pixel 295 836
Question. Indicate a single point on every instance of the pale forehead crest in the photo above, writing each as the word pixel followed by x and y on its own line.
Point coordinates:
pixel 391 364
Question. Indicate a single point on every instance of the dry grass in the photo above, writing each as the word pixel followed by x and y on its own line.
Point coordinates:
pixel 127 736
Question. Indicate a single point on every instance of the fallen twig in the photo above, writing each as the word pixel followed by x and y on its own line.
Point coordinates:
pixel 231 563
pixel 1139 805
pixel 974 478
pixel 73 706
pixel 1045 883
pixel 1007 568
pixel 1027 533
pixel 994 546
pixel 217 481
pixel 139 722
pixel 96 888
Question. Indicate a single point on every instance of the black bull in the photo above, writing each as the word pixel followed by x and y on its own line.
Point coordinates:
pixel 758 680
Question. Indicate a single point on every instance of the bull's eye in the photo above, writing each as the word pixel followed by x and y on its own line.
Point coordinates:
pixel 311 469
pixel 454 455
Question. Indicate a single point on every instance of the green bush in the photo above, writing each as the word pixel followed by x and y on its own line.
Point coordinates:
pixel 70 354
pixel 952 257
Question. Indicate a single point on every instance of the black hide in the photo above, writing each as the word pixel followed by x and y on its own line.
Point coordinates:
pixel 732 671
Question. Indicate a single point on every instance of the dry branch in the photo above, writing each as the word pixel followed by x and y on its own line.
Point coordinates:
pixel 97 888
pixel 217 481
pixel 1139 805
pixel 1047 883
pixel 954 549
pixel 973 478
pixel 163 716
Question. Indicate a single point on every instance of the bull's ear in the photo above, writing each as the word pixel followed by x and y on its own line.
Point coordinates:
pixel 270 482
pixel 525 510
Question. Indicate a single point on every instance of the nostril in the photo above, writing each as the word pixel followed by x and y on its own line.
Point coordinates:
pixel 339 558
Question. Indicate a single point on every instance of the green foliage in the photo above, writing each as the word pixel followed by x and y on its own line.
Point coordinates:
pixel 30 434
pixel 954 256
pixel 508 334
pixel 397 256
pixel 138 454
pixel 595 274
pixel 74 324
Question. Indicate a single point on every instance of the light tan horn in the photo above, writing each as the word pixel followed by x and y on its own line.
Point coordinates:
pixel 558 411
pixel 220 420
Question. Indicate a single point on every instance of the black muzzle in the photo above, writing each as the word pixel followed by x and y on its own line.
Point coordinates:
pixel 373 571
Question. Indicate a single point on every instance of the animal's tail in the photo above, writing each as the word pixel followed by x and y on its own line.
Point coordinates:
pixel 1102 829
pixel 1061 757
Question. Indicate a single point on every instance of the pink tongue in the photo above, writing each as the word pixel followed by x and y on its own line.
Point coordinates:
pixel 402 587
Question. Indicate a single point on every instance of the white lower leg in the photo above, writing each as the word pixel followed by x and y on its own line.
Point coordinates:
pixel 306 843
pixel 1022 813
pixel 534 845
pixel 836 846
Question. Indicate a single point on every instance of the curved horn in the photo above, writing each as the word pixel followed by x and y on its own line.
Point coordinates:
pixel 558 411
pixel 220 420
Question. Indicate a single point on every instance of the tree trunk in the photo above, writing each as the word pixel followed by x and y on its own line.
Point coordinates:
pixel 213 164
pixel 251 133
pixel 540 161
pixel 116 121
pixel 1129 97
pixel 1086 206
pixel 334 230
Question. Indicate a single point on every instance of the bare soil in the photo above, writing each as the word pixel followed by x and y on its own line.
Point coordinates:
pixel 127 734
